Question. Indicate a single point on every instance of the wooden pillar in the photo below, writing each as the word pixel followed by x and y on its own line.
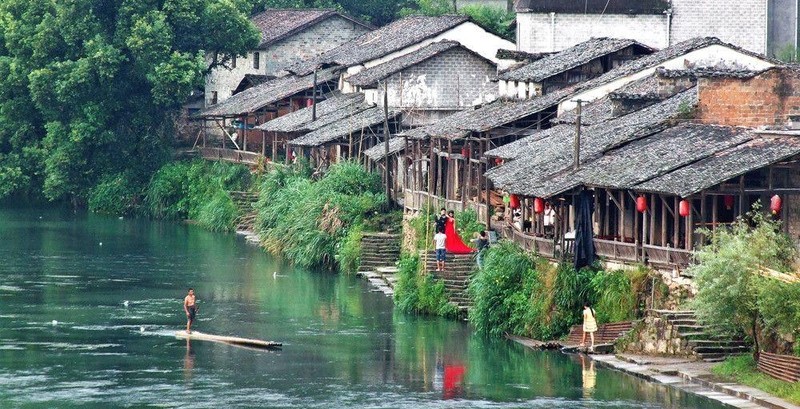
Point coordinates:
pixel 703 214
pixel 652 210
pixel 742 209
pixel 676 227
pixel 663 221
pixel 606 214
pixel 714 204
pixel 690 225
pixel 439 171
pixel 621 227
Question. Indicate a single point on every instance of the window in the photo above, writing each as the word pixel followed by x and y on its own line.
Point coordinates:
pixel 256 62
pixel 213 97
pixel 233 62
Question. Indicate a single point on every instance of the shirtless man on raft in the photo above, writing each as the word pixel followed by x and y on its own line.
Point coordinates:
pixel 191 310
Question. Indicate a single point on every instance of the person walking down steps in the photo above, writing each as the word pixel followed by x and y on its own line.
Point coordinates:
pixel 439 240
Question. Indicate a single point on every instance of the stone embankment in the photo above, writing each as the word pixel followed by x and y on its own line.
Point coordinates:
pixel 379 255
pixel 679 333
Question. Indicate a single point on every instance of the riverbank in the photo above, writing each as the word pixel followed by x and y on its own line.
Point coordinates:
pixel 686 375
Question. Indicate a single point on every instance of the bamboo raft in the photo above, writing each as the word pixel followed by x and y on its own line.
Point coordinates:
pixel 235 341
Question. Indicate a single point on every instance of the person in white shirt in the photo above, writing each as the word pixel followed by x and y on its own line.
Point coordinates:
pixel 438 241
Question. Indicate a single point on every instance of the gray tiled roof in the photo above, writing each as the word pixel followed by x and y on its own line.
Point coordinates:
pixel 277 24
pixel 715 169
pixel 393 37
pixel 658 58
pixel 592 6
pixel 378 151
pixel 646 158
pixel 489 116
pixel 372 75
pixel 255 98
pixel 336 106
pixel 537 157
pixel 353 124
pixel 575 56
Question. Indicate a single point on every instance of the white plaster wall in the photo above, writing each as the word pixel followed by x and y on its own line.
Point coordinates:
pixel 541 32
pixel 739 22
pixel 710 56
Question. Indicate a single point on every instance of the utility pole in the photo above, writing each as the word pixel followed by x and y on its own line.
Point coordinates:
pixel 314 97
pixel 577 144
pixel 386 138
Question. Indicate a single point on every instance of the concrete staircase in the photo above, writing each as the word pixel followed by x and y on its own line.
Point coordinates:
pixel 379 250
pixel 458 271
pixel 244 202
pixel 700 340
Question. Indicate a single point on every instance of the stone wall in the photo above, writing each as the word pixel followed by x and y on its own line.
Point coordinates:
pixel 771 98
pixel 655 335
pixel 453 79
pixel 314 40
pixel 539 32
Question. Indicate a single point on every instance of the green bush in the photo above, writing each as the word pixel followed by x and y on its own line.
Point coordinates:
pixel 115 194
pixel 502 290
pixel 618 293
pixel 349 253
pixel 306 220
pixel 197 190
pixel 732 294
pixel 416 292
pixel 742 369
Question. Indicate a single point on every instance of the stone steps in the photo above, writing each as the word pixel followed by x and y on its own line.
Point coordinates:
pixel 379 250
pixel 700 339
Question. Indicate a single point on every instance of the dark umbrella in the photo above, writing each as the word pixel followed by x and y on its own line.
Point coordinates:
pixel 584 236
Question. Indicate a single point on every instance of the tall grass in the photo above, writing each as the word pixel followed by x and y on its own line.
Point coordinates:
pixel 197 190
pixel 307 220
pixel 420 293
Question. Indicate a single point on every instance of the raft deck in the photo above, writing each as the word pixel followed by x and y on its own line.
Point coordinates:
pixel 236 341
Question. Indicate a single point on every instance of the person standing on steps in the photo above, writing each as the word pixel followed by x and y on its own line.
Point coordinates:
pixel 190 306
pixel 481 243
pixel 589 325
pixel 439 243
pixel 441 220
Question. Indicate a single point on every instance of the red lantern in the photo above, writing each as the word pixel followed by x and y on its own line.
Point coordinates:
pixel 641 204
pixel 514 202
pixel 309 102
pixel 728 200
pixel 775 204
pixel 683 208
pixel 465 152
pixel 538 205
pixel 498 161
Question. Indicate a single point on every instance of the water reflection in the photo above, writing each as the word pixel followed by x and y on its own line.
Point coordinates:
pixel 343 345
pixel 588 376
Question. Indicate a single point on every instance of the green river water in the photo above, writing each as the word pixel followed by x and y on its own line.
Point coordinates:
pixel 89 306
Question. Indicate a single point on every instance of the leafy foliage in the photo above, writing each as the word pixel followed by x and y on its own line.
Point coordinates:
pixel 742 369
pixel 516 292
pixel 420 293
pixel 496 20
pixel 306 220
pixel 731 293
pixel 115 194
pixel 89 90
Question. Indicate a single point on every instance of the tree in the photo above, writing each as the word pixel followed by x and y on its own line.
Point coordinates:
pixel 730 292
pixel 89 87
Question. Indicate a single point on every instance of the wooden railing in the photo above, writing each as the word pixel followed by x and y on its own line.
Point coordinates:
pixel 416 200
pixel 231 155
pixel 783 367
pixel 668 255
pixel 616 250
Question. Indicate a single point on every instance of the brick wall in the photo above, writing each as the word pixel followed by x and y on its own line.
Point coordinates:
pixel 455 78
pixel 535 31
pixel 740 22
pixel 316 39
pixel 766 100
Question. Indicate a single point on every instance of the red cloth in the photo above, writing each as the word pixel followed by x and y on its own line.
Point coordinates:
pixel 453 243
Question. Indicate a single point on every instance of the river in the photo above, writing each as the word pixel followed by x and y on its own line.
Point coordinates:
pixel 89 306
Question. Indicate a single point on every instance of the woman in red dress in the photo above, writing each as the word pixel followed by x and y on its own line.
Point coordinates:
pixel 453 243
